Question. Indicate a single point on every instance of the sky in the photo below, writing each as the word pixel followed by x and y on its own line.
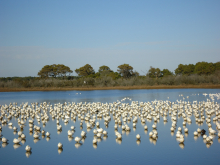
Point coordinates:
pixel 141 33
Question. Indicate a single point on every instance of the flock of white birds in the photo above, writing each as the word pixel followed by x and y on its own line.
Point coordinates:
pixel 120 113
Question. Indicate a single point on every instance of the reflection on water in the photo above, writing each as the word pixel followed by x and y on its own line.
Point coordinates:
pixel 77 145
pixel 60 150
pixel 28 153
pixel 4 144
pixel 138 142
pixel 95 146
pixel 151 115
pixel 181 145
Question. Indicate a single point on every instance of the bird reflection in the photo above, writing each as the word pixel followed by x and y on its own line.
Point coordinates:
pixel 16 146
pixel 95 145
pixel 119 141
pixel 195 138
pixel 138 142
pixel 23 141
pixel 77 145
pixel 4 144
pixel 181 145
pixel 70 138
pixel 36 140
pixel 28 153
pixel 60 150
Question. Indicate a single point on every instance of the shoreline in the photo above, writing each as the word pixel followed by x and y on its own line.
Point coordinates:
pixel 109 88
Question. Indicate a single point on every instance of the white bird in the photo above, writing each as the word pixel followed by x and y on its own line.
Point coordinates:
pixel 28 148
pixel 4 140
pixel 16 141
pixel 138 137
pixel 94 141
pixel 77 139
pixel 105 133
pixel 195 133
pixel 70 133
pixel 19 133
pixel 36 136
pixel 47 134
pixel 154 126
pixel 23 136
pixel 60 145
pixel 83 133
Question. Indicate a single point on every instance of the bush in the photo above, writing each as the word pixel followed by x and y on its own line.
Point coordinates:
pixel 150 81
pixel 108 81
pixel 167 80
pixel 104 81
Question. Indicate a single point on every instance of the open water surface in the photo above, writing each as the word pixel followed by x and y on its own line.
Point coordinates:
pixel 165 150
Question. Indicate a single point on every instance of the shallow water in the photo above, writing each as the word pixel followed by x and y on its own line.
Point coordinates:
pixel 166 150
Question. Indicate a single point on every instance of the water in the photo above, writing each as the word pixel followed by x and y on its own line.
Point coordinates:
pixel 166 150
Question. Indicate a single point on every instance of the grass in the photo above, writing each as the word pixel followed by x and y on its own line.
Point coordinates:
pixel 108 88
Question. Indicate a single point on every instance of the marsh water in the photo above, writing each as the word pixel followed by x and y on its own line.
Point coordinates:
pixel 165 150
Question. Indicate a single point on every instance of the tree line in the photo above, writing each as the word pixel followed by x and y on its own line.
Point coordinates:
pixel 126 71
pixel 54 70
pixel 59 75
pixel 200 68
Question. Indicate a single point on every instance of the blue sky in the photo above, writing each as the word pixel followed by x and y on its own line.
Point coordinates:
pixel 140 33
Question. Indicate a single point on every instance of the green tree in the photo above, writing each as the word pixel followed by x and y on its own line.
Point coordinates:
pixel 166 72
pixel 85 71
pixel 125 70
pixel 204 68
pixel 104 70
pixel 180 69
pixel 189 69
pixel 46 71
pixel 154 72
pixel 115 75
pixel 217 65
pixel 54 71
pixel 62 70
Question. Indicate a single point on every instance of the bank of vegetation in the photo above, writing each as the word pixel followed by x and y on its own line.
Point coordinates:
pixel 58 77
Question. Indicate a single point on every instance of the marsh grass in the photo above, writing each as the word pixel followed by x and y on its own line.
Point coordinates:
pixel 106 82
